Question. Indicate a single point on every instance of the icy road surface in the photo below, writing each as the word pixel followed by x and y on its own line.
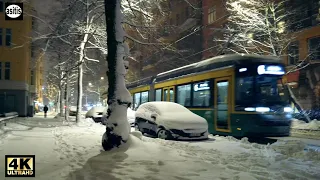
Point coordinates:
pixel 73 152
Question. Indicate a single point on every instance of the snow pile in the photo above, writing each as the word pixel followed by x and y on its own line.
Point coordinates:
pixel 15 127
pixel 87 122
pixel 74 152
pixel 295 149
pixel 298 124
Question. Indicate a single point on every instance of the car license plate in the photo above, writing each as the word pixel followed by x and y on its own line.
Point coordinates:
pixel 195 134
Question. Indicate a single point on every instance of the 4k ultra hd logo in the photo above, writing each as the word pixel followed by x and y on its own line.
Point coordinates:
pixel 14 11
pixel 20 166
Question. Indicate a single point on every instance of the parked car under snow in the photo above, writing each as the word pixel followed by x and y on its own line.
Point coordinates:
pixel 96 113
pixel 168 120
pixel 72 111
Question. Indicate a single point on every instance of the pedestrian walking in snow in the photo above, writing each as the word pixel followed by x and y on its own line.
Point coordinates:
pixel 45 109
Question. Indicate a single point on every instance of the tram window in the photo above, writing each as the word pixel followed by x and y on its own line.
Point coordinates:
pixel 158 94
pixel 184 95
pixel 137 100
pixel 244 89
pixel 144 97
pixel 201 94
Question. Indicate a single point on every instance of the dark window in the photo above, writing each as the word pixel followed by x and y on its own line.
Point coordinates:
pixel 184 95
pixel 32 77
pixel 177 19
pixel 304 14
pixel 8 37
pixel 293 53
pixel 201 94
pixel 190 11
pixel 1 33
pixel 144 97
pixel 33 21
pixel 10 105
pixel 32 50
pixel 0 70
pixel 7 71
pixel 187 12
pixel 244 89
pixel 158 95
pixel 314 48
pixel 1 6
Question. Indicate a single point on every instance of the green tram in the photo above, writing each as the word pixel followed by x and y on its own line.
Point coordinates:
pixel 239 95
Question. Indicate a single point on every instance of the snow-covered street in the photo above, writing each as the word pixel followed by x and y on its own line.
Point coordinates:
pixel 69 151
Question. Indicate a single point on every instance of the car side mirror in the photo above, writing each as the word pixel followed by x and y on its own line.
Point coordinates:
pixel 154 116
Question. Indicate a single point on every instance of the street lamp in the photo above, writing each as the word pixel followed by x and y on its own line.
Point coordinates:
pixel 90 84
pixel 102 78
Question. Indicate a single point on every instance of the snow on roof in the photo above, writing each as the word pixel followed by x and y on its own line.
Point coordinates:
pixel 163 106
pixel 228 57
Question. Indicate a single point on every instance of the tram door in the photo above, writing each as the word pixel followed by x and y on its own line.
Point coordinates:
pixel 168 94
pixel 222 104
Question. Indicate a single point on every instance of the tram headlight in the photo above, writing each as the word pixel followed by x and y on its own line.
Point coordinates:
pixel 288 109
pixel 262 109
pixel 257 109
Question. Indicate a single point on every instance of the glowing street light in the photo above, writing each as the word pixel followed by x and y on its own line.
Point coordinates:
pixel 90 84
pixel 102 78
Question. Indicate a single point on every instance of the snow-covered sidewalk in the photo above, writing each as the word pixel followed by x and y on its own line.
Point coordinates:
pixel 302 129
pixel 73 152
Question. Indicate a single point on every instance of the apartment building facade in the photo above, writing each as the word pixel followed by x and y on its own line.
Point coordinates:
pixel 16 73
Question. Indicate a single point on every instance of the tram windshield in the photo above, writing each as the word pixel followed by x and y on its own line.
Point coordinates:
pixel 261 90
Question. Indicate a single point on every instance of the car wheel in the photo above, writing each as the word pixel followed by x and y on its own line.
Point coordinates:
pixel 163 134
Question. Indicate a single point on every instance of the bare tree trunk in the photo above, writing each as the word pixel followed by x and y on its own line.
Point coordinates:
pixel 61 100
pixel 119 98
pixel 66 114
pixel 57 102
pixel 79 98
pixel 80 67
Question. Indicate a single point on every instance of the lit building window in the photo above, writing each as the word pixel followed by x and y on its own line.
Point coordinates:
pixel 211 15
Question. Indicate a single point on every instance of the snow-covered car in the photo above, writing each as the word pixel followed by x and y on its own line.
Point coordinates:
pixel 72 111
pixel 96 113
pixel 168 120
pixel 130 117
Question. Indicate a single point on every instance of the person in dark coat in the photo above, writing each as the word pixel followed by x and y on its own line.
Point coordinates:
pixel 45 109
